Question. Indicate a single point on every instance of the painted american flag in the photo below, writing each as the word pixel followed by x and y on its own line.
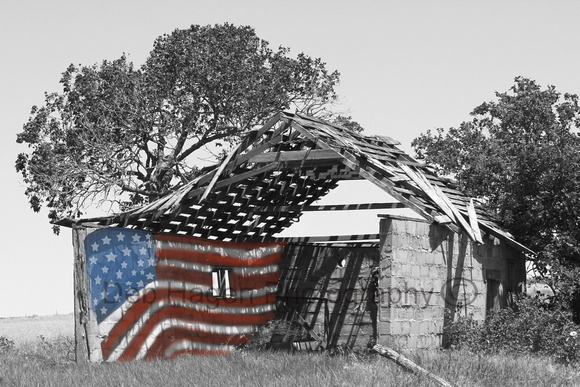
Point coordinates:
pixel 161 295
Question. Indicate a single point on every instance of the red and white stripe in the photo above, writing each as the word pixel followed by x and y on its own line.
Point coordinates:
pixel 177 314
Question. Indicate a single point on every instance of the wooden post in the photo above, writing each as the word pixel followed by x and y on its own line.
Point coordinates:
pixel 87 346
pixel 408 364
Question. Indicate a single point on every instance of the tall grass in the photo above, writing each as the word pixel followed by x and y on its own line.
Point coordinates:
pixel 48 362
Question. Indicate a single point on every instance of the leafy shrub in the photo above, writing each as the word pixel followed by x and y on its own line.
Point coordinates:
pixel 533 328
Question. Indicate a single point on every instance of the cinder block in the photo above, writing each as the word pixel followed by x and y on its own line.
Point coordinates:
pixel 397 327
pixel 415 271
pixel 415 327
pixel 400 341
pixel 425 327
pixel 400 255
pixel 412 341
pixel 385 327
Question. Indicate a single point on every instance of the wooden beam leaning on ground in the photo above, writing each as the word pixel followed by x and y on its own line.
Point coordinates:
pixel 408 364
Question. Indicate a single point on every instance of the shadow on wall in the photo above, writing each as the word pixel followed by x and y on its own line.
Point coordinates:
pixel 328 295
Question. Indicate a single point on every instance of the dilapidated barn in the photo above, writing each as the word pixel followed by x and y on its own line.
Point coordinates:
pixel 397 286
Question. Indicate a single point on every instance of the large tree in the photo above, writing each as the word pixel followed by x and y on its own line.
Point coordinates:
pixel 520 154
pixel 123 135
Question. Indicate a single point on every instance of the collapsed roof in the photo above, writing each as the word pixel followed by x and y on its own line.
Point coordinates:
pixel 279 170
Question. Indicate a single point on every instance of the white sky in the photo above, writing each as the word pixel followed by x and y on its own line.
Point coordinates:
pixel 406 66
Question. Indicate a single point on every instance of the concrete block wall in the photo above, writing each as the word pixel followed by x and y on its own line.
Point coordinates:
pixel 429 276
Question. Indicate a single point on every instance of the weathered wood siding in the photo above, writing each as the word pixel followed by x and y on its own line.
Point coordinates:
pixel 333 290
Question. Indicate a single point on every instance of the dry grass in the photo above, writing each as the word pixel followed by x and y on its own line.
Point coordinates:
pixel 23 330
pixel 45 362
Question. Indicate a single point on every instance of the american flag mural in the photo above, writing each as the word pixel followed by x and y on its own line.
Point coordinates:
pixel 160 295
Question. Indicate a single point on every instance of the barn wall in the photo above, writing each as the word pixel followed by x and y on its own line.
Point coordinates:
pixel 430 276
pixel 331 292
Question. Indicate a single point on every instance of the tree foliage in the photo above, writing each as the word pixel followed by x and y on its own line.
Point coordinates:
pixel 123 135
pixel 521 155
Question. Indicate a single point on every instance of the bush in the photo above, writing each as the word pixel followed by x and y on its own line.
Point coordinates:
pixel 6 345
pixel 533 327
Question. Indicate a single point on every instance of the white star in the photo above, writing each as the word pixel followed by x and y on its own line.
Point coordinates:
pixel 106 240
pixel 102 295
pixel 93 260
pixel 128 283
pixel 127 252
pixel 130 291
pixel 142 272
pixel 140 284
pixel 95 301
pixel 95 246
pixel 140 262
pixel 111 257
pixel 133 272
pixel 124 265
pixel 119 274
pixel 117 298
pixel 150 276
pixel 149 244
pixel 136 238
pixel 151 261
pixel 98 280
pixel 103 310
pixel 143 251
pixel 148 237
pixel 120 237
pixel 105 269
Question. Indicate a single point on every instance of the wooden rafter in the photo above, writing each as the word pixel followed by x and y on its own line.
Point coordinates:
pixel 278 171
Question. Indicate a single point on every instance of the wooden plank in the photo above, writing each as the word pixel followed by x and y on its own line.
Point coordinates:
pixel 256 134
pixel 271 122
pixel 235 179
pixel 508 238
pixel 329 238
pixel 435 194
pixel 275 138
pixel 218 173
pixel 473 221
pixel 458 216
pixel 87 345
pixel 296 156
pixel 328 207
pixel 407 364
pixel 383 183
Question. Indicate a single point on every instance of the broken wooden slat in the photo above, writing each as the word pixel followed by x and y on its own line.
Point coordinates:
pixel 385 184
pixel 458 216
pixel 258 148
pixel 218 173
pixel 473 221
pixel 330 207
pixel 409 365
pixel 235 179
pixel 296 156
pixel 331 238
pixel 442 201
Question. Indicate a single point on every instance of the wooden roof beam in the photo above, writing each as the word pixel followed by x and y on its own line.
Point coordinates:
pixel 328 207
pixel 312 156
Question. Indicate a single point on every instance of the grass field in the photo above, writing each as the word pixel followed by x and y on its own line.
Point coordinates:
pixel 47 361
